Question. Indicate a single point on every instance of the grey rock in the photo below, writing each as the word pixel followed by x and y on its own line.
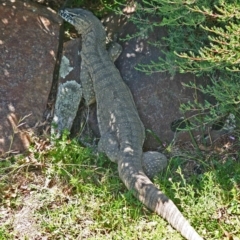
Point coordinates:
pixel 66 106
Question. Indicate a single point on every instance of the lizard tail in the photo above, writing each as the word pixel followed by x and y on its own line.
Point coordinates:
pixel 143 189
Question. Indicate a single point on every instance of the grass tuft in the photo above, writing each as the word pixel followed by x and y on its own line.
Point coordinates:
pixel 74 194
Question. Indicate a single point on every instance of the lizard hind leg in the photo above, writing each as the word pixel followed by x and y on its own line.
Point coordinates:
pixel 153 163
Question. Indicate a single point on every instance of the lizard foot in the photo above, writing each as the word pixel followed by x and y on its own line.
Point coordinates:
pixel 153 163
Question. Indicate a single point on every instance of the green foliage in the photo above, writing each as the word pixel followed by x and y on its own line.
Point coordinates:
pixel 74 163
pixel 202 35
pixel 4 235
pixel 225 89
pixel 203 39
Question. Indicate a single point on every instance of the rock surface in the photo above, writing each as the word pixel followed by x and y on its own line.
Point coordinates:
pixel 158 96
pixel 29 41
pixel 69 85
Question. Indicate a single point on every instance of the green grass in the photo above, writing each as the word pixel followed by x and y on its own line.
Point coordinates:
pixel 80 196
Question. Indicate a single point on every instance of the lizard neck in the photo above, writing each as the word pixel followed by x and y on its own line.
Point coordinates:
pixel 96 57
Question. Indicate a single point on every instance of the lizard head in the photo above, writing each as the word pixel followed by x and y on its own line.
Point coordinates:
pixel 81 19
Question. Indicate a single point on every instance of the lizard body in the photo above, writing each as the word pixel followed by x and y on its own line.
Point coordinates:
pixel 122 132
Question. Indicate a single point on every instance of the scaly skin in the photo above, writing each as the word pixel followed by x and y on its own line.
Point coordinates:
pixel 122 132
